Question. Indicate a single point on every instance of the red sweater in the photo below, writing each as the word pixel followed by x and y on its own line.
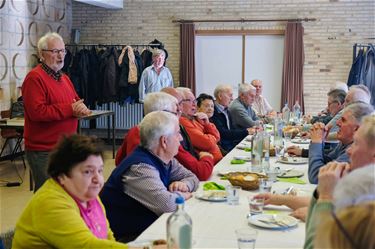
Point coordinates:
pixel 203 137
pixel 202 168
pixel 48 109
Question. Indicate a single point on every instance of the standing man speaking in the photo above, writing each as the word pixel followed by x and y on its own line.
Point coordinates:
pixel 51 104
pixel 155 77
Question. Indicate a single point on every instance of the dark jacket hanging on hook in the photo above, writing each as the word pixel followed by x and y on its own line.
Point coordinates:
pixel 127 89
pixel 367 76
pixel 109 71
pixel 356 69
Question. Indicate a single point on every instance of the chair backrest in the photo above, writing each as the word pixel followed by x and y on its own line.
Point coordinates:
pixel 5 114
pixel 17 109
pixel 6 239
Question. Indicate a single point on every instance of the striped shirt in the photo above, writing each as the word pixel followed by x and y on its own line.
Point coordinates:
pixel 142 182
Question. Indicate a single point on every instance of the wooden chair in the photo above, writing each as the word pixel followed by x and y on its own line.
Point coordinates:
pixel 12 133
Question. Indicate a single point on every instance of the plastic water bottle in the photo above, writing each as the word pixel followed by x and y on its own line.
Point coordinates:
pixel 278 136
pixel 266 151
pixel 297 112
pixel 257 152
pixel 179 227
pixel 286 113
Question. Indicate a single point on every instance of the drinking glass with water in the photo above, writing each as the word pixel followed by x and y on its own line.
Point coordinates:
pixel 246 238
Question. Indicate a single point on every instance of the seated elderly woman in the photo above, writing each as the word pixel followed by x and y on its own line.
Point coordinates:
pixel 66 211
pixel 147 182
pixel 352 227
pixel 206 105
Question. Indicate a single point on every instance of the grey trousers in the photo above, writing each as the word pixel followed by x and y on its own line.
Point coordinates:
pixel 38 164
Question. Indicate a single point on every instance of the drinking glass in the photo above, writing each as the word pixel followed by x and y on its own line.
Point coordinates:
pixel 233 194
pixel 246 238
pixel 256 205
pixel 265 185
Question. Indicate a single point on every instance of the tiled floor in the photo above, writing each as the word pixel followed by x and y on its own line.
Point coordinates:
pixel 14 199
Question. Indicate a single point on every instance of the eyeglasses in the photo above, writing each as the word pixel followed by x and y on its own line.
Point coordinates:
pixel 193 101
pixel 175 113
pixel 343 230
pixel 55 51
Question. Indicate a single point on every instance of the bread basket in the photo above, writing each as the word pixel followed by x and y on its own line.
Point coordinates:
pixel 246 180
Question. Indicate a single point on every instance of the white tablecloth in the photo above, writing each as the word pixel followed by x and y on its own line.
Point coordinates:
pixel 214 223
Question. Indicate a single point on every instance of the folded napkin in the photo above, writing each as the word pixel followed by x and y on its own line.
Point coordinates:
pixel 237 161
pixel 213 186
pixel 295 180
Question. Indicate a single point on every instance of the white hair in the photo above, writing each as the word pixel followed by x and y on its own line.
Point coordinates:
pixel 256 80
pixel 221 88
pixel 245 88
pixel 355 188
pixel 368 126
pixel 359 93
pixel 359 110
pixel 43 41
pixel 184 91
pixel 159 101
pixel 340 86
pixel 157 52
pixel 155 125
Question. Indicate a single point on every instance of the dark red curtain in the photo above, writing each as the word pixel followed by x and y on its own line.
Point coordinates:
pixel 187 55
pixel 294 57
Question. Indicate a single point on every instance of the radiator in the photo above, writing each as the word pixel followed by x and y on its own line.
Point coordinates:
pixel 127 116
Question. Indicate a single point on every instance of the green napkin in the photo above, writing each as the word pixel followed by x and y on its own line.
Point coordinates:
pixel 295 180
pixel 213 186
pixel 237 161
pixel 247 149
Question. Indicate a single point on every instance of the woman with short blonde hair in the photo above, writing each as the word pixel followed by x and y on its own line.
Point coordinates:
pixel 352 227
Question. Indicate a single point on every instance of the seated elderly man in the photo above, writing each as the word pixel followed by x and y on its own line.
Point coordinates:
pixel 336 191
pixel 349 122
pixel 347 191
pixel 241 111
pixel 358 93
pixel 146 184
pixel 229 136
pixel 261 105
pixel 161 101
pixel 203 134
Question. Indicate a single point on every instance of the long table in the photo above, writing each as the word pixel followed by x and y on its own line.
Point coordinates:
pixel 214 223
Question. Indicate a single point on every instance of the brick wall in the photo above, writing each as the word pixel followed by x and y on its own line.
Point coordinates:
pixel 328 41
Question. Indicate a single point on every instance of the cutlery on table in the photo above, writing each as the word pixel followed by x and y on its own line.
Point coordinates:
pixel 286 171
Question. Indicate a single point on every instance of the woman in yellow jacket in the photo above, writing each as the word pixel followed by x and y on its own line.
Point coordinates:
pixel 66 211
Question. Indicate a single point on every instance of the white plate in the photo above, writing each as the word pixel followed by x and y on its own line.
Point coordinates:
pixel 293 160
pixel 289 174
pixel 212 195
pixel 287 221
pixel 243 146
pixel 245 158
pixel 141 243
pixel 300 141
pixel 249 138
